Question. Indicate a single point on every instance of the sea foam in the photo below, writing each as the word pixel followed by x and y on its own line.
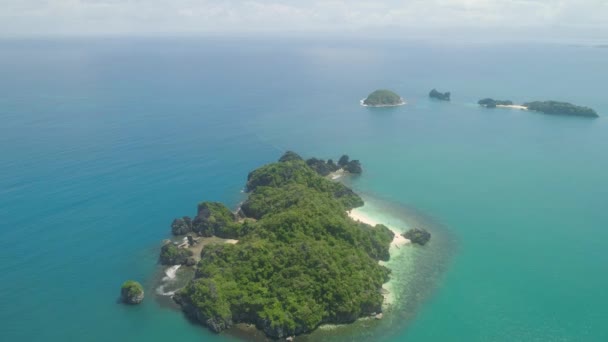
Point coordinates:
pixel 170 275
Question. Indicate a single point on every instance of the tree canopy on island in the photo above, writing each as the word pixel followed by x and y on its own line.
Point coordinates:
pixel 383 97
pixel 561 108
pixel 300 260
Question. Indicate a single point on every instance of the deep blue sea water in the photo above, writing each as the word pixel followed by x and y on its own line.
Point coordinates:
pixel 104 141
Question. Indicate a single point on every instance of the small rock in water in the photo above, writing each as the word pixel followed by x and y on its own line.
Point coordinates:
pixel 131 292
pixel 290 338
pixel 417 236
pixel 379 316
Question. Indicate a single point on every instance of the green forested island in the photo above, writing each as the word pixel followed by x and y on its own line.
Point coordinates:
pixel 547 107
pixel 383 98
pixel 491 103
pixel 434 94
pixel 560 108
pixel 300 261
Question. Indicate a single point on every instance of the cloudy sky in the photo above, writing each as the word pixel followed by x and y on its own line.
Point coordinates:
pixel 572 18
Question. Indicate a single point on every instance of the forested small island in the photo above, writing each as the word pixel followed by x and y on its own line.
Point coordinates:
pixel 560 108
pixel 434 94
pixel 383 98
pixel 300 261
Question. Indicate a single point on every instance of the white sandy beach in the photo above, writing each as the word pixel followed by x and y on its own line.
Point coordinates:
pixel 403 102
pixel 398 241
pixel 337 174
pixel 520 107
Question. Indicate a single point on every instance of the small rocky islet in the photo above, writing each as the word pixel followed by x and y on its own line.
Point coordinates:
pixel 435 94
pixel 418 236
pixel 131 292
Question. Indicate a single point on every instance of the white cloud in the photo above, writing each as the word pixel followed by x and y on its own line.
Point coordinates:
pixel 204 16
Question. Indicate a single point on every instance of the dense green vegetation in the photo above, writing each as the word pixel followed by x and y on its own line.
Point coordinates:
pixel 290 156
pixel 131 292
pixel 181 226
pixel 491 103
pixel 281 174
pixel 561 108
pixel 434 94
pixel 418 236
pixel 213 219
pixel 383 97
pixel 170 255
pixel 216 219
pixel 300 260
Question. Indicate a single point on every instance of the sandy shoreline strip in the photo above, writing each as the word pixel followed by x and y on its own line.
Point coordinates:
pixel 402 103
pixel 520 107
pixel 398 240
pixel 336 174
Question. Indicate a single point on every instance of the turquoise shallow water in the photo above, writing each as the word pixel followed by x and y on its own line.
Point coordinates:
pixel 103 142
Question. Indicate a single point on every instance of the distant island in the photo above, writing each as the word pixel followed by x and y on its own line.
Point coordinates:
pixel 434 94
pixel 383 98
pixel 560 108
pixel 296 259
pixel 546 107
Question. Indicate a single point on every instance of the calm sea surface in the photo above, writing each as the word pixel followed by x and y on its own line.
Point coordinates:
pixel 103 142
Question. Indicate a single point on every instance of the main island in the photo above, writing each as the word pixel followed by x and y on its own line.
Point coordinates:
pixel 296 261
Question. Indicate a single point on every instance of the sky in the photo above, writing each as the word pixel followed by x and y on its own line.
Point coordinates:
pixel 555 19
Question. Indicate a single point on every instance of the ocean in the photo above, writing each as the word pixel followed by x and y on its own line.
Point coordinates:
pixel 103 141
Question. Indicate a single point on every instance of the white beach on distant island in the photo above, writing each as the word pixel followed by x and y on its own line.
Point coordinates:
pixel 520 107
pixel 362 102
